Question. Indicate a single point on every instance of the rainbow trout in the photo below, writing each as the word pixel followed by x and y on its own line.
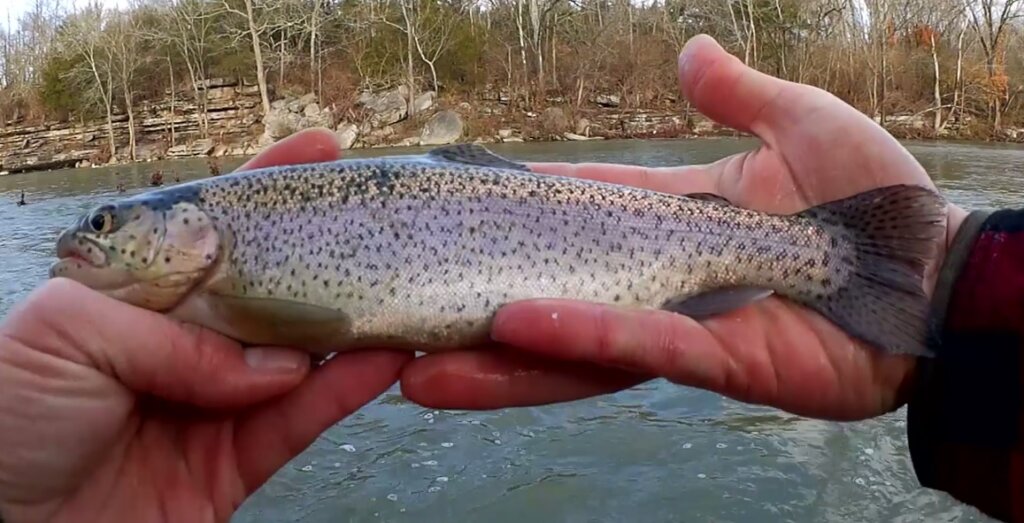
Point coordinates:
pixel 419 251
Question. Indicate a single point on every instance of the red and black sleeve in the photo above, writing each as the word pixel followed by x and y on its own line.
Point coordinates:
pixel 965 418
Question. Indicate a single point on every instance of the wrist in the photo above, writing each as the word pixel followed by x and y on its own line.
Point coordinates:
pixel 966 404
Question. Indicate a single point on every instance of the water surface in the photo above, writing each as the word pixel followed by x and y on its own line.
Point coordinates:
pixel 657 452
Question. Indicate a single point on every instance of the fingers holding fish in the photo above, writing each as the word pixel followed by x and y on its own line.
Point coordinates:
pixel 771 353
pixel 492 377
pixel 672 180
pixel 661 343
pixel 306 146
pixel 181 363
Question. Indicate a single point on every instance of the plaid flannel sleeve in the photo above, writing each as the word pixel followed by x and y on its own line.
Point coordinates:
pixel 965 420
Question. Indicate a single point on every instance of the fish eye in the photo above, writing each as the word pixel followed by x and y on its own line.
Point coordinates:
pixel 101 222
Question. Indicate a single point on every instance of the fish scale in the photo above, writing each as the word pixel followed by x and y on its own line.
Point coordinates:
pixel 420 251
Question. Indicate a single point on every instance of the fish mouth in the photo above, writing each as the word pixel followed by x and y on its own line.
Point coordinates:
pixel 76 247
pixel 82 259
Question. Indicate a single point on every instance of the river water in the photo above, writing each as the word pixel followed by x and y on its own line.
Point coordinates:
pixel 657 452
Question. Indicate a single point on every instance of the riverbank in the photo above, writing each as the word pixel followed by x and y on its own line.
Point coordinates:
pixel 233 124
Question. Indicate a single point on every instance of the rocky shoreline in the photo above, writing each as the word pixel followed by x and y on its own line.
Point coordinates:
pixel 171 128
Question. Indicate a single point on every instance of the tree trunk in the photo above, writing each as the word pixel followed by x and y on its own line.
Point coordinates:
pixel 959 78
pixel 312 47
pixel 522 46
pixel 409 71
pixel 996 103
pixel 753 32
pixel 881 80
pixel 783 41
pixel 538 43
pixel 257 54
pixel 131 119
pixel 937 87
pixel 170 69
pixel 108 103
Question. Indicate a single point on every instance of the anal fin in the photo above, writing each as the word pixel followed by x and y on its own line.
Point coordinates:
pixel 716 301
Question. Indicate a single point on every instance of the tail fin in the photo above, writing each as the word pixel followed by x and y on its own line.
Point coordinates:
pixel 895 232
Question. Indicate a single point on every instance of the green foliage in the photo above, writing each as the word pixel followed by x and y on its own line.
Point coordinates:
pixel 461 67
pixel 57 87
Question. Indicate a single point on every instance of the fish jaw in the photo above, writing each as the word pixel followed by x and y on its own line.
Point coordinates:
pixel 91 268
pixel 153 258
pixel 83 260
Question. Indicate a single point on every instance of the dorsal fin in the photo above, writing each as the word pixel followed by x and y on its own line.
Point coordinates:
pixel 708 197
pixel 474 154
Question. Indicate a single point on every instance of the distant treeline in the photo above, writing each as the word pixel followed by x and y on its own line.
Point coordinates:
pixel 959 62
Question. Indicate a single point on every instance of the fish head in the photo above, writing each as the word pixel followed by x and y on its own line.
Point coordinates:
pixel 149 251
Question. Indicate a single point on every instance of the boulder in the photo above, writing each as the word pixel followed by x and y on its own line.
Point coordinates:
pixel 347 135
pixel 424 101
pixel 608 100
pixel 292 115
pixel 314 116
pixel 583 127
pixel 445 127
pixel 580 138
pixel 281 122
pixel 387 108
pixel 554 120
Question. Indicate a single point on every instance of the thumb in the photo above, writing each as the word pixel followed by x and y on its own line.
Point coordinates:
pixel 726 90
pixel 148 352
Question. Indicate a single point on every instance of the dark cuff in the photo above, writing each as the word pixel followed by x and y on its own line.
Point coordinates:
pixel 965 414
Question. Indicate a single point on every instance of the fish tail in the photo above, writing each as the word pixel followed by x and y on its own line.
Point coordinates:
pixel 894 233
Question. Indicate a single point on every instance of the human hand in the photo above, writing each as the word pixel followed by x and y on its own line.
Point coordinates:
pixel 815 149
pixel 113 413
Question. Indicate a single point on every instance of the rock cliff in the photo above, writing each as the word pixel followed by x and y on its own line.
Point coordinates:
pixel 236 126
pixel 232 112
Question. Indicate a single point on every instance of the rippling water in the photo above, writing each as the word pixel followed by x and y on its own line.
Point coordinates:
pixel 657 452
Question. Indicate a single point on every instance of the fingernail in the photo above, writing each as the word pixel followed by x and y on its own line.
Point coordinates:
pixel 264 358
pixel 685 54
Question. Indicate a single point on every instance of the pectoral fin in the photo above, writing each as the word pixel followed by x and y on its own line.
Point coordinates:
pixel 265 321
pixel 716 302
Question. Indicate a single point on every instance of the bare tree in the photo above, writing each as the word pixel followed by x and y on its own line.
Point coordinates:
pixel 123 38
pixel 190 26
pixel 990 19
pixel 259 22
pixel 84 33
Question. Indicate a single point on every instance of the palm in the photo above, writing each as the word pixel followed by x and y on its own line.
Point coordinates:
pixel 814 149
pixel 163 468
pixel 184 430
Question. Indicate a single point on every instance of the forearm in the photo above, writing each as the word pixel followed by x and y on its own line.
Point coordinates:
pixel 966 414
